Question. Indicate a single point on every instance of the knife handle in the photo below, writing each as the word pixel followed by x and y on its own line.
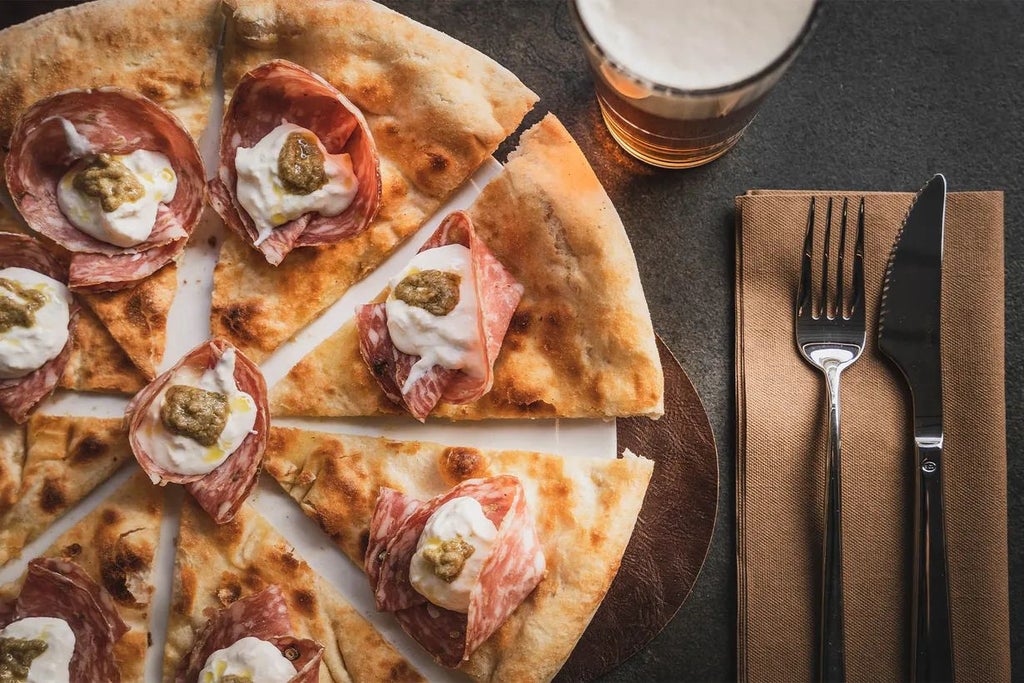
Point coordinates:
pixel 931 638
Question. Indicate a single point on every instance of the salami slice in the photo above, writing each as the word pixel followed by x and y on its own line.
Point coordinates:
pixel 60 589
pixel 279 91
pixel 20 395
pixel 222 491
pixel 263 615
pixel 498 295
pixel 511 571
pixel 113 121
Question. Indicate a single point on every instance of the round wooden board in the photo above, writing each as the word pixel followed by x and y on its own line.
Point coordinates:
pixel 672 535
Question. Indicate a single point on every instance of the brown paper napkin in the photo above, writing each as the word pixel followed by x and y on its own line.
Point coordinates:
pixel 781 452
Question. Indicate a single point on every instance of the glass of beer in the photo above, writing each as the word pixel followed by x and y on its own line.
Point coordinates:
pixel 678 81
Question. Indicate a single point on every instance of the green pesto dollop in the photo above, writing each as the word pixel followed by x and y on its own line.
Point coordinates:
pixel 20 311
pixel 435 291
pixel 300 164
pixel 195 413
pixel 236 678
pixel 448 558
pixel 110 181
pixel 16 657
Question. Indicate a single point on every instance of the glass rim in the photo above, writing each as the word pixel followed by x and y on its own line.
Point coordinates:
pixel 774 65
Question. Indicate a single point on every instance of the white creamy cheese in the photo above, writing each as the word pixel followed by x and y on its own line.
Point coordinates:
pixel 261 192
pixel 78 144
pixel 54 664
pixel 184 455
pixel 132 222
pixel 249 657
pixel 452 341
pixel 464 518
pixel 25 349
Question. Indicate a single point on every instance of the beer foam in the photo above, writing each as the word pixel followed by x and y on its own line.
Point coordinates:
pixel 694 44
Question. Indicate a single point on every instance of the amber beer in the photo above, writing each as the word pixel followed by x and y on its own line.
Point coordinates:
pixel 678 81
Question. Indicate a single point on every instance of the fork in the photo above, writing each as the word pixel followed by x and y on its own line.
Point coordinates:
pixel 830 337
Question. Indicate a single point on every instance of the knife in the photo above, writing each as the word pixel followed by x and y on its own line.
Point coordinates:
pixel 908 333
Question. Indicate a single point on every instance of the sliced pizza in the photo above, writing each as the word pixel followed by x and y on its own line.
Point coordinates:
pixel 97 579
pixel 165 52
pixel 246 561
pixel 540 537
pixel 580 341
pixel 435 108
pixel 47 467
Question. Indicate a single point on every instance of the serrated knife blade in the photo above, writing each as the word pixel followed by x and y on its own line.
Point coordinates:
pixel 908 333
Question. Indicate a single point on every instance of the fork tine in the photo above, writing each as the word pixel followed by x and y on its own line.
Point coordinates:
pixel 858 265
pixel 804 295
pixel 824 309
pixel 840 266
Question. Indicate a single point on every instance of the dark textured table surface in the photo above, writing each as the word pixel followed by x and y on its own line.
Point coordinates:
pixel 885 94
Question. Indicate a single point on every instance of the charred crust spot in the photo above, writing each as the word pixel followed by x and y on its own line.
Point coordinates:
pixel 212 241
pixel 88 449
pixel 52 497
pixel 229 591
pixel 438 163
pixel 114 573
pixel 110 516
pixel 402 671
pixel 135 309
pixel 520 322
pixel 71 551
pixel 149 639
pixel 459 463
pixel 238 318
pixel 305 601
pixel 289 561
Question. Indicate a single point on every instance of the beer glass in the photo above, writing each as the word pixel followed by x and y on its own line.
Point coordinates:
pixel 678 127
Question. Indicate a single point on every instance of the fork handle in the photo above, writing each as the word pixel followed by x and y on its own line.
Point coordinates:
pixel 931 635
pixel 832 646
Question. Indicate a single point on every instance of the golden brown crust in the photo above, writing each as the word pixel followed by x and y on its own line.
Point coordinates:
pixel 97 362
pixel 65 459
pixel 163 50
pixel 12 460
pixel 116 544
pixel 580 343
pixel 136 317
pixel 436 108
pixel 218 564
pixel 584 509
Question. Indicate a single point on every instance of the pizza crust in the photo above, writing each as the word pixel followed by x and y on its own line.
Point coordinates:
pixel 218 564
pixel 116 544
pixel 97 362
pixel 164 50
pixel 436 108
pixel 65 458
pixel 584 509
pixel 580 344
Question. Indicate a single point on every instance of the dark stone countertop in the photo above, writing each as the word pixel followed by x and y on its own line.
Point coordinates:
pixel 885 94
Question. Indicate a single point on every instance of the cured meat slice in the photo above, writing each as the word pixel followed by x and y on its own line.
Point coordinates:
pixel 61 589
pixel 513 568
pixel 20 395
pixel 222 491
pixel 115 121
pixel 280 91
pixel 498 295
pixel 262 615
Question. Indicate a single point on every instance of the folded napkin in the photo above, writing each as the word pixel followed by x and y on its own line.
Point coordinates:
pixel 781 446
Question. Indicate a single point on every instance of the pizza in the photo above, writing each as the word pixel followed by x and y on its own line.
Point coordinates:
pixel 217 566
pixel 346 128
pixel 97 578
pixel 558 530
pixel 579 342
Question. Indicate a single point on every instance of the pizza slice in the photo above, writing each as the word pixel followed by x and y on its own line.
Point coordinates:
pixel 49 465
pixel 110 553
pixel 247 561
pixel 436 109
pixel 97 362
pixel 164 51
pixel 369 495
pixel 580 342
